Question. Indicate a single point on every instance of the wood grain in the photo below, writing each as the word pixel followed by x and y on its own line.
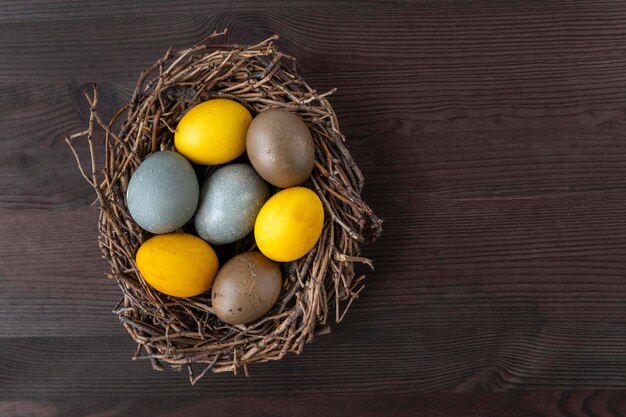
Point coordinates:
pixel 325 38
pixel 483 353
pixel 492 138
pixel 512 404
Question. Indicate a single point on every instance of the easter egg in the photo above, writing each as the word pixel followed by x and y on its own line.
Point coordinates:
pixel 177 264
pixel 280 148
pixel 246 288
pixel 229 203
pixel 213 132
pixel 163 192
pixel 289 224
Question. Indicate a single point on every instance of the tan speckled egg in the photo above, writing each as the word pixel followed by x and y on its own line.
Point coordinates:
pixel 280 148
pixel 246 288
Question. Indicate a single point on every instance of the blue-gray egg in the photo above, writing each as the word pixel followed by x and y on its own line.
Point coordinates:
pixel 163 192
pixel 230 200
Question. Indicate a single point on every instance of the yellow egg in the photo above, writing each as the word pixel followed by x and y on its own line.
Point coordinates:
pixel 289 224
pixel 213 132
pixel 177 264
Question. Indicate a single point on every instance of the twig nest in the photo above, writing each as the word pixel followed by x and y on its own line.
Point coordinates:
pixel 315 288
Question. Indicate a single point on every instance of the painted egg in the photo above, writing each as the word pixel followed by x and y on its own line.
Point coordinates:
pixel 213 132
pixel 163 192
pixel 246 288
pixel 229 203
pixel 177 264
pixel 280 148
pixel 289 224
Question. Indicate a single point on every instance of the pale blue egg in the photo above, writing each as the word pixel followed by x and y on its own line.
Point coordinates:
pixel 229 202
pixel 163 192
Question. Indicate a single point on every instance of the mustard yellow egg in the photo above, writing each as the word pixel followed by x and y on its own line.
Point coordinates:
pixel 289 224
pixel 213 132
pixel 177 264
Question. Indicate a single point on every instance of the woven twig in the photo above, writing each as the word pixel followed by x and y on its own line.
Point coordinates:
pixel 185 331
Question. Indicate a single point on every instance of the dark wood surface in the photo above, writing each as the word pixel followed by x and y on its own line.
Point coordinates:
pixel 493 140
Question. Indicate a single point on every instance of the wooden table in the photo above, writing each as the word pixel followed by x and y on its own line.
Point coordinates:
pixel 492 136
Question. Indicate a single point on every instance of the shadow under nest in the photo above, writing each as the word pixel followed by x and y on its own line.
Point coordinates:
pixel 322 284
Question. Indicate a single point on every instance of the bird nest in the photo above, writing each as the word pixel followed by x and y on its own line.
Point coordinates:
pixel 185 332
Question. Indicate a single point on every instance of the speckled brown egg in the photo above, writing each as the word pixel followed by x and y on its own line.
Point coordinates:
pixel 246 288
pixel 280 148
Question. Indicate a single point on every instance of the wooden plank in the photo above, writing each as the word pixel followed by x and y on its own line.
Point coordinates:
pixel 510 404
pixel 42 10
pixel 52 276
pixel 326 38
pixel 356 358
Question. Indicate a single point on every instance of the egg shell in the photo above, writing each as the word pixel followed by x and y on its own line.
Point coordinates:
pixel 280 147
pixel 163 192
pixel 246 288
pixel 177 264
pixel 230 200
pixel 289 224
pixel 213 132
